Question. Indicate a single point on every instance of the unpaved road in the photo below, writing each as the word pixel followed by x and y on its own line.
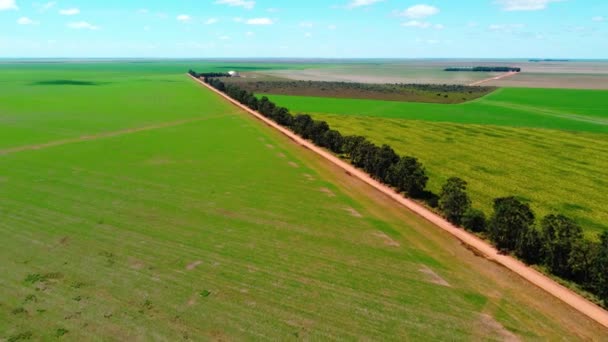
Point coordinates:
pixel 508 74
pixel 488 251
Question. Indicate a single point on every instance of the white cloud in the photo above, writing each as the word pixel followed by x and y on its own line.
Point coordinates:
pixel 260 21
pixel 211 21
pixel 8 5
pixel 184 18
pixel 422 25
pixel 332 27
pixel 524 5
pixel 26 21
pixel 416 23
pixel 598 19
pixel 147 28
pixel 224 38
pixel 143 11
pixel 419 11
pixel 238 20
pixel 249 34
pixel 69 11
pixel 247 4
pixel 308 35
pixel 272 10
pixel 82 25
pixel 506 28
pixel 361 3
pixel 45 7
pixel 307 24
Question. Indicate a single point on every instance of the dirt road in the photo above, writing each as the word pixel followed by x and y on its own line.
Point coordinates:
pixel 508 74
pixel 488 251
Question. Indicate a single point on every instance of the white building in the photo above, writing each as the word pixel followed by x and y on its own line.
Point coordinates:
pixel 233 73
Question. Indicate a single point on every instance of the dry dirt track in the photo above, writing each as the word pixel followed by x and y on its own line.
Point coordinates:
pixel 508 74
pixel 571 298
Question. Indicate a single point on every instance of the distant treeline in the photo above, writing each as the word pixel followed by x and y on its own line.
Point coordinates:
pixel 548 60
pixel 485 69
pixel 208 74
pixel 556 243
pixel 432 93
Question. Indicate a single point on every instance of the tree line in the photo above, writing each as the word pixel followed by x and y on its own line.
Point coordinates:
pixel 486 69
pixel 556 242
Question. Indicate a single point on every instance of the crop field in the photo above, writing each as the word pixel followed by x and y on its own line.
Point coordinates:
pixel 427 93
pixel 570 74
pixel 545 146
pixel 135 204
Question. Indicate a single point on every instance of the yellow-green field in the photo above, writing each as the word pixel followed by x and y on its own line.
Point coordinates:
pixel 547 147
pixel 135 204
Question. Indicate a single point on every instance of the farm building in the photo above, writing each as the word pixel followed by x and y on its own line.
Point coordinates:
pixel 233 73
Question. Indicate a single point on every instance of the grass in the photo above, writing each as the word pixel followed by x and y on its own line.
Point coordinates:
pixel 574 110
pixel 509 151
pixel 206 229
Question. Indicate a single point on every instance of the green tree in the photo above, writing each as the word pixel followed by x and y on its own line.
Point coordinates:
pixel 474 220
pixel 560 234
pixel 529 246
pixel 381 161
pixel 334 141
pixel 600 269
pixel 510 221
pixel 453 199
pixel 408 175
pixel 582 256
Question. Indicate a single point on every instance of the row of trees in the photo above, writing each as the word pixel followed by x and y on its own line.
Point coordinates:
pixel 404 173
pixel 273 86
pixel 556 242
pixel 486 69
pixel 559 243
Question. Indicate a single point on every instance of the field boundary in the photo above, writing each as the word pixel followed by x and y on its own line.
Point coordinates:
pixel 533 276
pixel 102 135
pixel 495 78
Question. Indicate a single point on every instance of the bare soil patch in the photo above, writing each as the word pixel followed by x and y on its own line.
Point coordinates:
pixel 387 239
pixel 434 277
pixel 490 326
pixel 309 177
pixel 353 212
pixel 328 192
pixel 193 265
pixel 293 164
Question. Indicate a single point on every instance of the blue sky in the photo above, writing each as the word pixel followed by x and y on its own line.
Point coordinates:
pixel 311 28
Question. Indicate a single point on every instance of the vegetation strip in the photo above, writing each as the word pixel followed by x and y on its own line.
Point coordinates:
pixel 427 93
pixel 571 298
pixel 101 135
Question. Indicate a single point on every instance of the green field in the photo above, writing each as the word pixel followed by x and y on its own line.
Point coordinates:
pixel 162 212
pixel 545 146
pixel 571 110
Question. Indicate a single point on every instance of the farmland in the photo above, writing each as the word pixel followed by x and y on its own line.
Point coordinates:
pixel 545 146
pixel 136 204
pixel 546 74
pixel 429 93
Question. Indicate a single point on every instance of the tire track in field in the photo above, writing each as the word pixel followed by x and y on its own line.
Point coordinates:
pixel 488 251
pixel 495 78
pixel 103 135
